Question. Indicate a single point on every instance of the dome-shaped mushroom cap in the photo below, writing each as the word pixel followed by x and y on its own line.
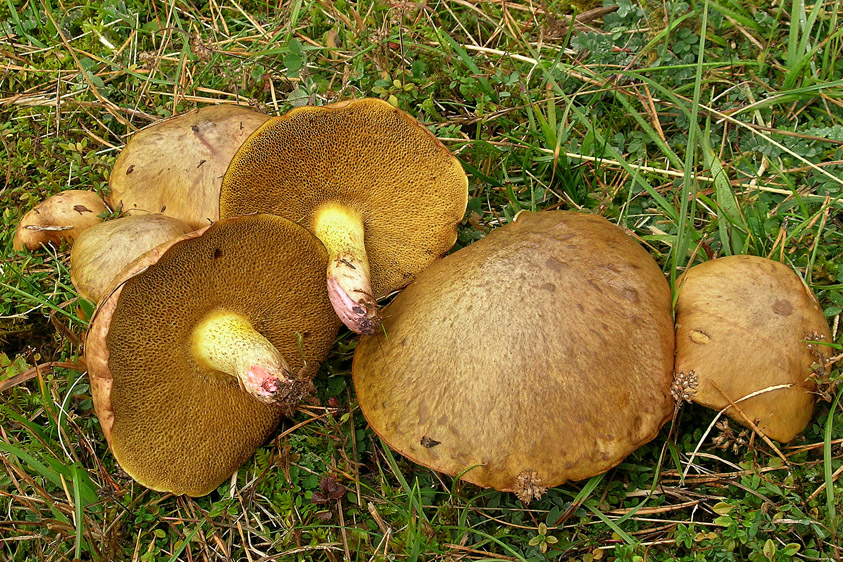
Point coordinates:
pixel 369 156
pixel 540 354
pixel 741 325
pixel 175 167
pixel 64 216
pixel 102 251
pixel 182 427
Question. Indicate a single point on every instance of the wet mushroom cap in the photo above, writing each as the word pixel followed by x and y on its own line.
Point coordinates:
pixel 539 354
pixel 178 425
pixel 408 189
pixel 175 167
pixel 102 251
pixel 743 325
pixel 64 216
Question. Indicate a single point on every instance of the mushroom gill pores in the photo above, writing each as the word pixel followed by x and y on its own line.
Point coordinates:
pixel 370 181
pixel 539 354
pixel 190 333
pixel 744 325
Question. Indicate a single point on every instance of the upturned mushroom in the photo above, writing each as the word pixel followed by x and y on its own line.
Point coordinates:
pixel 539 354
pixel 175 167
pixel 62 217
pixel 377 188
pixel 194 359
pixel 103 250
pixel 746 326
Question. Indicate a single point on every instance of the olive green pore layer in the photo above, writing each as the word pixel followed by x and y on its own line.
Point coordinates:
pixel 185 428
pixel 409 190
pixel 543 351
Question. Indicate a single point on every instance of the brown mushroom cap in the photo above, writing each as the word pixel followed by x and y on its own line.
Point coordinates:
pixel 63 216
pixel 539 354
pixel 103 250
pixel 367 155
pixel 175 167
pixel 741 325
pixel 177 425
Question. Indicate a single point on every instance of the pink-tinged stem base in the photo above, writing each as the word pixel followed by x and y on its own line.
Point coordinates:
pixel 350 292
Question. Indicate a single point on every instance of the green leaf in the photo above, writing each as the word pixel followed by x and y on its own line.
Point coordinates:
pixel 295 47
pixel 790 549
pixel 293 62
pixel 769 549
pixel 723 521
pixel 722 508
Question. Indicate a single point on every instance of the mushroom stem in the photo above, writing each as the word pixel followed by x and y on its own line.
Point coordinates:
pixel 227 342
pixel 341 230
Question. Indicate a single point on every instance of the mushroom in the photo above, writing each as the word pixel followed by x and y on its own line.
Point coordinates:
pixel 103 250
pixel 377 188
pixel 62 217
pixel 194 359
pixel 175 167
pixel 539 354
pixel 745 325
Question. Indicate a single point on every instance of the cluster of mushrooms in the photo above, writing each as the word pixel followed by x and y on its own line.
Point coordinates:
pixel 547 351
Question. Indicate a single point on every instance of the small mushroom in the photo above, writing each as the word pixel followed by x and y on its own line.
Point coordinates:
pixel 375 186
pixel 103 250
pixel 194 359
pixel 539 354
pixel 62 217
pixel 175 167
pixel 744 325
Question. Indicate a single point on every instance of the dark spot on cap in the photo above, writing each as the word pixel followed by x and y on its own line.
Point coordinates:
pixel 217 253
pixel 130 169
pixel 428 443
pixel 783 307
pixel 555 264
pixel 630 294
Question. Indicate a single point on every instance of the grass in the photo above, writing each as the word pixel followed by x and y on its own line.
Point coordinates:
pixel 703 128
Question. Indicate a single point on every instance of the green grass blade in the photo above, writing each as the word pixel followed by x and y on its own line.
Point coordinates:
pixel 37 299
pixel 827 469
pixel 80 516
pixel 590 505
pixel 48 474
pixel 467 61
pixel 729 215
pixel 180 548
pixel 689 187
